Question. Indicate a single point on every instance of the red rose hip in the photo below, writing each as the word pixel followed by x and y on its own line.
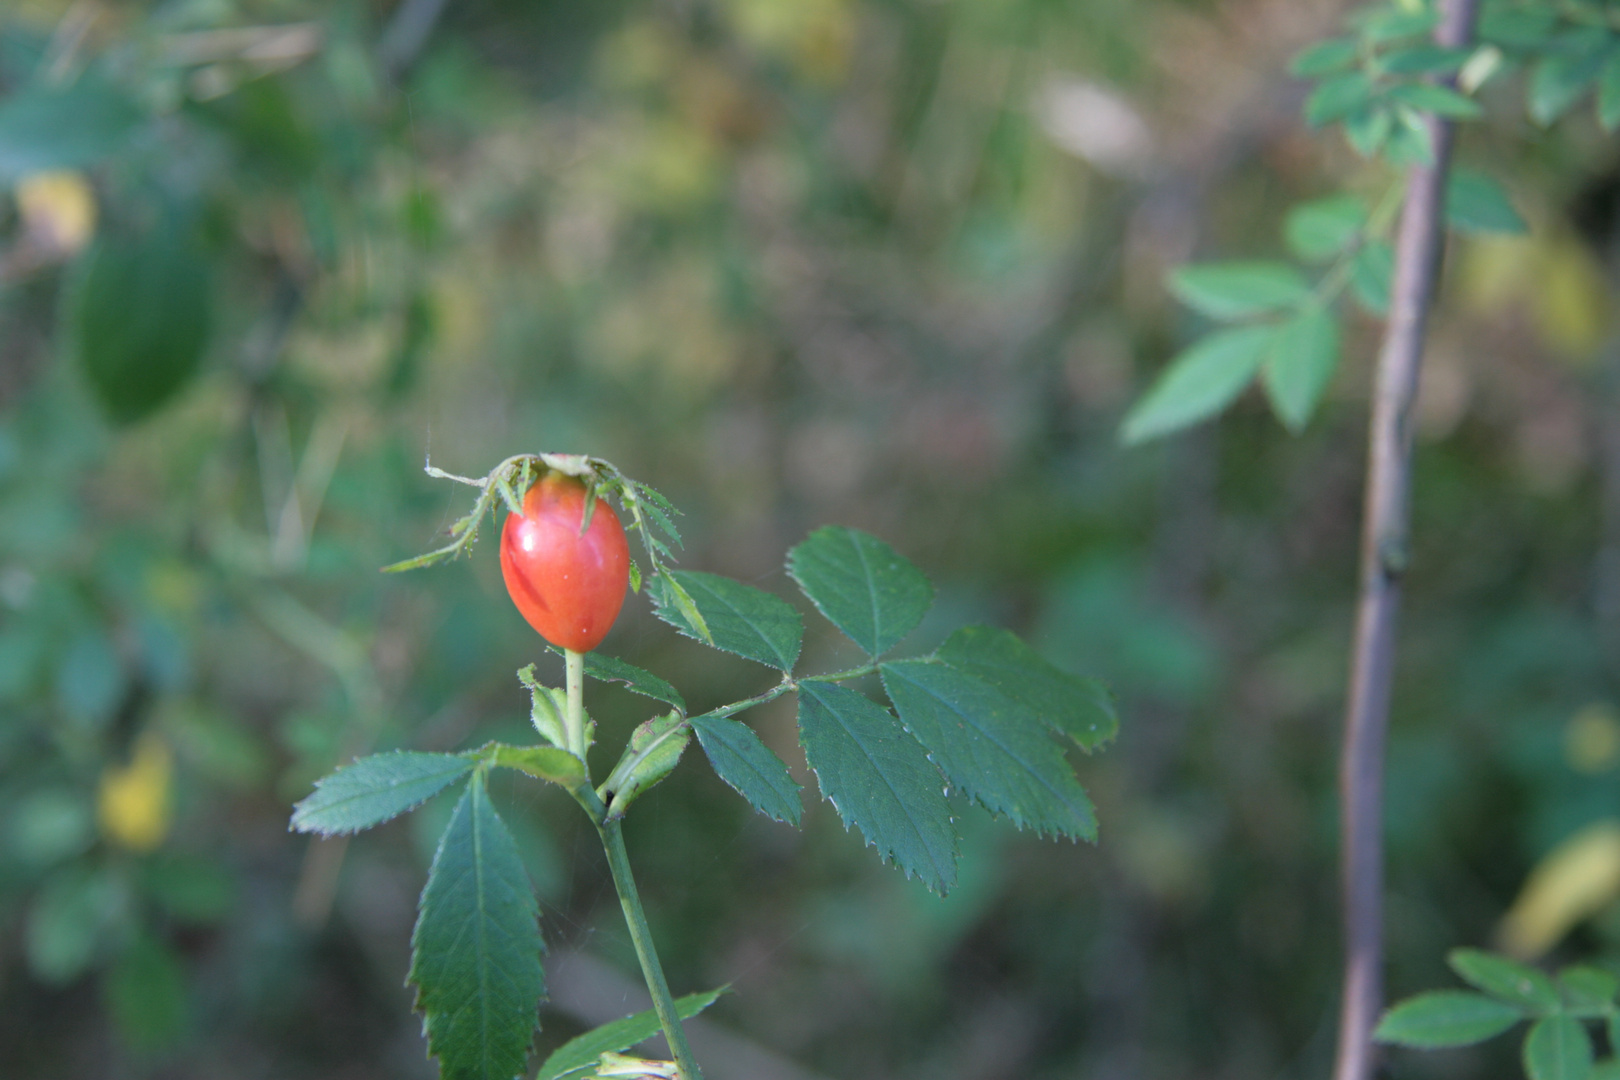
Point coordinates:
pixel 568 586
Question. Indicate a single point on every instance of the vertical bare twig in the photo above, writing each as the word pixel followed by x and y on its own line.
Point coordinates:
pixel 1383 561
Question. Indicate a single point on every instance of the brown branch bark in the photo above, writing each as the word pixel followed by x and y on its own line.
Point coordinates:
pixel 1383 562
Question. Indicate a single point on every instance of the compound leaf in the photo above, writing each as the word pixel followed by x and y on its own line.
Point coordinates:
pixel 1080 708
pixel 1199 382
pixel 1442 1018
pixel 1338 97
pixel 1318 230
pixel 1477 203
pixel 1509 980
pixel 1439 100
pixel 879 779
pixel 376 788
pixel 741 619
pixel 636 680
pixel 1589 991
pixel 1303 357
pixel 1325 57
pixel 747 764
pixel 1559 80
pixel 865 588
pixel 475 953
pixel 1236 290
pixel 1371 273
pixel 991 747
pixel 1558 1048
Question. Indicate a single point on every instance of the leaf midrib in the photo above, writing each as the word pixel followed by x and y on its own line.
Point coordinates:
pixel 905 808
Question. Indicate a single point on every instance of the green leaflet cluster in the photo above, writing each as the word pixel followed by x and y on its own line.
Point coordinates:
pixel 1282 319
pixel 983 715
pixel 1557 1045
pixel 978 716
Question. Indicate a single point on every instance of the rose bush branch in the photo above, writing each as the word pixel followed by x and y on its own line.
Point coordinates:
pixel 981 717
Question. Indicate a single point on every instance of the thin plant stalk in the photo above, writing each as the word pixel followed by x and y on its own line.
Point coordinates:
pixel 612 835
pixel 574 715
pixel 1384 554
pixel 652 970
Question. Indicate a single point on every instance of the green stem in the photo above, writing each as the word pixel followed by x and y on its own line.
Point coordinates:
pixel 652 971
pixel 574 717
pixel 735 707
pixel 840 676
pixel 619 862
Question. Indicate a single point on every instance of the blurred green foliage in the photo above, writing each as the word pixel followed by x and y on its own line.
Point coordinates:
pixel 886 263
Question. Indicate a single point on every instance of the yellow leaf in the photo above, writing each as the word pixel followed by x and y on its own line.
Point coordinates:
pixel 133 803
pixel 1592 739
pixel 1575 880
pixel 58 211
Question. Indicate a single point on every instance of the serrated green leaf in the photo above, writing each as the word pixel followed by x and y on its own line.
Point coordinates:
pixel 376 788
pixel 1371 272
pixel 44 128
pixel 1558 81
pixel 1300 365
pixel 1440 100
pixel 748 765
pixel 1558 1048
pixel 880 780
pixel 1338 97
pixel 1608 94
pixel 662 519
pixel 742 619
pixel 1199 382
pixel 1325 57
pixel 1477 203
pixel 1588 991
pixel 865 588
pixel 1237 290
pixel 1442 1018
pixel 579 1054
pixel 994 749
pixel 1318 230
pixel 636 680
pixel 475 952
pixel 1079 708
pixel 551 763
pixel 1506 979
pixel 671 593
pixel 139 312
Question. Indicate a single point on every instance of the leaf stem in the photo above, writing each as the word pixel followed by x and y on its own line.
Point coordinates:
pixel 735 707
pixel 1383 561
pixel 840 676
pixel 574 715
pixel 652 970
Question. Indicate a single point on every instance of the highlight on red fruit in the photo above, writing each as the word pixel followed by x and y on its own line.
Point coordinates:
pixel 568 585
